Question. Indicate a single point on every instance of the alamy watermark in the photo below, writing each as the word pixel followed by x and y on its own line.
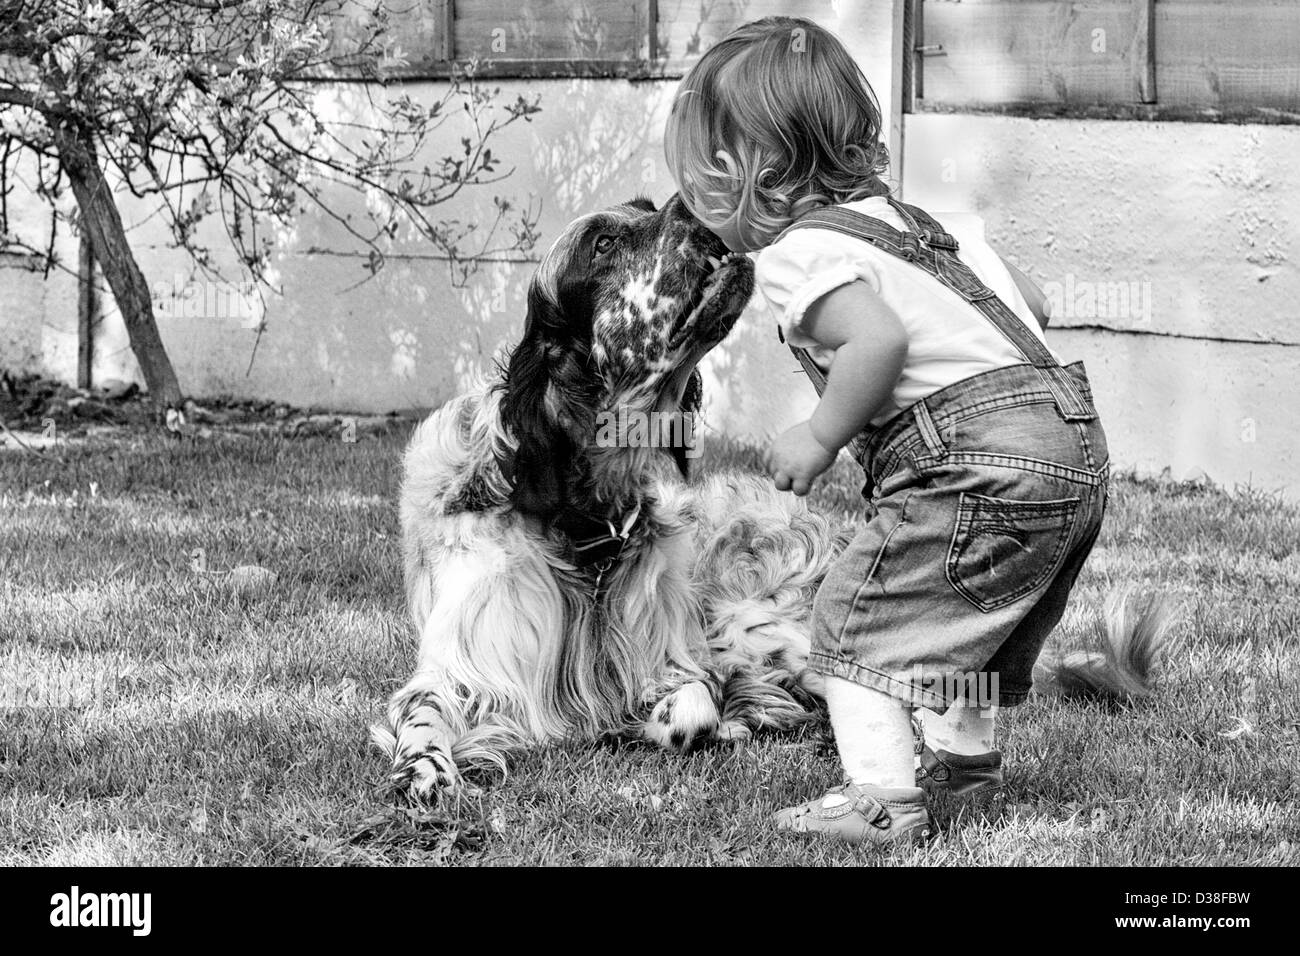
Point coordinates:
pixel 630 428
pixel 26 687
pixel 186 298
pixel 960 688
pixel 75 908
pixel 1084 299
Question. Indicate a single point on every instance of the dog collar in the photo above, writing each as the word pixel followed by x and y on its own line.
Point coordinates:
pixel 592 541
pixel 596 541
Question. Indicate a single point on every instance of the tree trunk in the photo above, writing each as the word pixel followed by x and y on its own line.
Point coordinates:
pixel 103 224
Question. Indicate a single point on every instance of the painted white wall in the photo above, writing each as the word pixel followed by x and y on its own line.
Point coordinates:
pixel 21 293
pixel 38 309
pixel 1203 218
pixel 407 337
pixel 1157 241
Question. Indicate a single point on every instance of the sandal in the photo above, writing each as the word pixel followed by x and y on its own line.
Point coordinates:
pixel 862 814
pixel 961 786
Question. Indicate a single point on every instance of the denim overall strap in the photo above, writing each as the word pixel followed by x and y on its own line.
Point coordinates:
pixel 929 247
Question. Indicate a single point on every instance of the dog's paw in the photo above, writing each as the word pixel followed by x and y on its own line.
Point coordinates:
pixel 426 779
pixel 733 731
pixel 684 717
pixel 423 768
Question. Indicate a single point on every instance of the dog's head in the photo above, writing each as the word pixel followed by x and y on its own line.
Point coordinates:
pixel 621 310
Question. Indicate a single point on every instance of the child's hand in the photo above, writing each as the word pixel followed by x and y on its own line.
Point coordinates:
pixel 796 458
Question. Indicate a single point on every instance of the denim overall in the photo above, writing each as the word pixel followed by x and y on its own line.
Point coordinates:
pixel 986 498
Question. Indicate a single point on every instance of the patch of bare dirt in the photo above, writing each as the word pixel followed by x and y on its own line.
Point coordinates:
pixel 34 409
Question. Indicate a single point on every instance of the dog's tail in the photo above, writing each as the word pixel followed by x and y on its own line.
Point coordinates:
pixel 1125 644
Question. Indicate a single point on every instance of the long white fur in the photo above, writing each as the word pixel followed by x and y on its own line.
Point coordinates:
pixel 514 650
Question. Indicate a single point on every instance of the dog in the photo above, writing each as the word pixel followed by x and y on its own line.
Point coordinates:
pixel 564 587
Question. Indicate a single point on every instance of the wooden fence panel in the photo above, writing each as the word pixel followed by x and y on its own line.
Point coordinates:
pixel 1002 51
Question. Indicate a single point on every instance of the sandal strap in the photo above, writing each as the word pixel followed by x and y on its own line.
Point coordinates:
pixel 933 767
pixel 871 809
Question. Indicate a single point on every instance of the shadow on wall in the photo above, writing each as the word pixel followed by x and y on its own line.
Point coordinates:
pixel 342 335
pixel 606 148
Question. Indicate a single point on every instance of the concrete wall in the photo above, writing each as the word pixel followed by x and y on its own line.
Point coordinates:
pixel 1198 222
pixel 336 337
pixel 1172 254
pixel 38 309
pixel 408 336
pixel 405 337
pixel 21 293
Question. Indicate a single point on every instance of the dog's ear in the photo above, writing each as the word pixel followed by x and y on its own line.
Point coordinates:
pixel 544 449
pixel 692 399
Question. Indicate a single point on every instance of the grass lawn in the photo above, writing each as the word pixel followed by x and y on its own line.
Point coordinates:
pixel 201 725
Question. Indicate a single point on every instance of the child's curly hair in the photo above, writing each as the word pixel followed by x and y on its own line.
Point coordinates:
pixel 775 119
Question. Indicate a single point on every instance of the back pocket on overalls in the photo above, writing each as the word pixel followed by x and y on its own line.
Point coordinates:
pixel 1003 549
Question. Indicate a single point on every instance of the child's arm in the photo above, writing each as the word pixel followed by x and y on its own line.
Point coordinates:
pixel 1038 303
pixel 871 345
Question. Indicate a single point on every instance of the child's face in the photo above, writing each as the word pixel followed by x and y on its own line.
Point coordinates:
pixel 730 237
pixel 729 233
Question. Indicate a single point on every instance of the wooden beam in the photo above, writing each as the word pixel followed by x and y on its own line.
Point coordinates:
pixel 893 118
pixel 87 311
pixel 652 31
pixel 445 13
pixel 1145 50
pixel 1149 112
pixel 913 67
pixel 1229 56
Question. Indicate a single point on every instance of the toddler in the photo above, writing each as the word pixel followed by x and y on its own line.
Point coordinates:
pixel 986 463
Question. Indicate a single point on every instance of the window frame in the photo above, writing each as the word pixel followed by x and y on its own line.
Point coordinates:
pixel 1145 108
pixel 649 64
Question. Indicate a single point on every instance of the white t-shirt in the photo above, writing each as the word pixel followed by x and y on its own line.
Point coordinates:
pixel 948 339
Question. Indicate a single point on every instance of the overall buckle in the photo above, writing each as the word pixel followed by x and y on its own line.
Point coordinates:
pixel 939 240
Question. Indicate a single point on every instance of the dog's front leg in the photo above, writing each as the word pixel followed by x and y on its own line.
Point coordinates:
pixel 420 740
pixel 491 622
pixel 659 597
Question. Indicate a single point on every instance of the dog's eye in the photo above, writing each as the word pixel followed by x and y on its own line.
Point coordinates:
pixel 605 243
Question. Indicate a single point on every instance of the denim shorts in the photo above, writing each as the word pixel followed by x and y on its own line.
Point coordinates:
pixel 985 503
